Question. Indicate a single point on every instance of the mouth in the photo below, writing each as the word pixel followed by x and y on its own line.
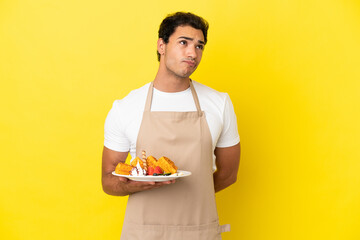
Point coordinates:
pixel 190 63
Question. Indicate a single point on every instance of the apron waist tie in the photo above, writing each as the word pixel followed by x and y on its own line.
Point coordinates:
pixel 225 228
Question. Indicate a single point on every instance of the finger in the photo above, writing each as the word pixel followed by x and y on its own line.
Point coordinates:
pixel 140 183
pixel 166 183
pixel 123 179
pixel 169 182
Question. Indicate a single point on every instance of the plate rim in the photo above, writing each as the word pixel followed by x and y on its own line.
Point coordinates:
pixel 153 178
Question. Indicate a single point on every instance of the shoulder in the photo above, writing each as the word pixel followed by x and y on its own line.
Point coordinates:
pixel 206 92
pixel 203 89
pixel 210 97
pixel 134 101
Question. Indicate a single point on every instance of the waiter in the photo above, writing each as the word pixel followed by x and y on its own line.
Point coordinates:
pixel 188 122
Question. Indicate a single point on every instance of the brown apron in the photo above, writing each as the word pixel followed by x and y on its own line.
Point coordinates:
pixel 187 208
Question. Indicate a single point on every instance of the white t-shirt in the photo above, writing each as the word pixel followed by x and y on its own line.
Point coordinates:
pixel 124 119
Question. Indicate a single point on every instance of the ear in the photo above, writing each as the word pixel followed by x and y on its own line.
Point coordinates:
pixel 161 46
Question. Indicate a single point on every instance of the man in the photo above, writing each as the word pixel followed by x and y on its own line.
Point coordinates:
pixel 193 125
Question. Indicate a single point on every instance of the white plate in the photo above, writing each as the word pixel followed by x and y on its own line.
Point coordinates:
pixel 150 178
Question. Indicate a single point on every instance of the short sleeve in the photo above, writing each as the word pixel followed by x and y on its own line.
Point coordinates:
pixel 229 135
pixel 115 138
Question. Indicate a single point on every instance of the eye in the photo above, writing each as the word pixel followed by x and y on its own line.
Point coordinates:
pixel 183 42
pixel 201 47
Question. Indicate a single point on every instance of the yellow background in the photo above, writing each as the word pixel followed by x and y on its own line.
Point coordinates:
pixel 291 69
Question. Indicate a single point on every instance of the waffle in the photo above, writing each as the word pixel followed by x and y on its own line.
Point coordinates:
pixel 151 161
pixel 123 168
pixel 167 165
pixel 136 161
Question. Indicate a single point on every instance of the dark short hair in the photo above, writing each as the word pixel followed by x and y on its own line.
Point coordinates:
pixel 172 21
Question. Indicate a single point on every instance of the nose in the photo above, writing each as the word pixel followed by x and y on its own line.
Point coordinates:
pixel 191 52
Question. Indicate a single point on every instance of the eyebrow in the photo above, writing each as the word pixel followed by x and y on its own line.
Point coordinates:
pixel 191 39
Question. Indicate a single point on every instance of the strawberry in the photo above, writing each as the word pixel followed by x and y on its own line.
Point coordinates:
pixel 150 171
pixel 158 170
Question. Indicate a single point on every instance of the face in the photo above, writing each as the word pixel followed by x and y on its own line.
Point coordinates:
pixel 182 54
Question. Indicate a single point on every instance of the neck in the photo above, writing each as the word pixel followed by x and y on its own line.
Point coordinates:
pixel 168 82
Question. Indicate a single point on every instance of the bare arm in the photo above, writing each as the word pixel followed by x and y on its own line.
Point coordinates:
pixel 227 163
pixel 120 186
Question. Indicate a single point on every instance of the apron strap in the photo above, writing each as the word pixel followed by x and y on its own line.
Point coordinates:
pixel 225 228
pixel 196 99
pixel 193 92
pixel 149 98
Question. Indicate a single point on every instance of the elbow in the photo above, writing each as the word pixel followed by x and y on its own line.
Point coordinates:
pixel 106 191
pixel 112 188
pixel 222 183
pixel 105 188
pixel 109 191
pixel 232 180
